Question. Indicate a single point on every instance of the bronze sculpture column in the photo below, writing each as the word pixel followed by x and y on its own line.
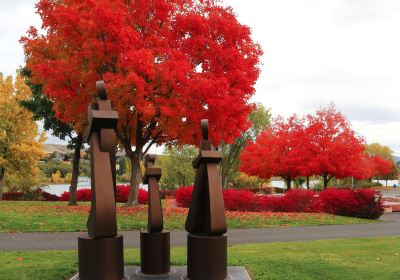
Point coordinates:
pixel 206 224
pixel 100 253
pixel 155 242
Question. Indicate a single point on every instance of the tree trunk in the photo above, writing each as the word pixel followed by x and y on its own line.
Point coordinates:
pixel 224 180
pixel 289 183
pixel 75 171
pixel 326 181
pixel 308 182
pixel 136 179
pixel 2 174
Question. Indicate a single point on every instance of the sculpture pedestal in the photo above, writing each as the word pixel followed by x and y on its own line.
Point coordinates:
pixel 207 257
pixel 100 258
pixel 155 252
pixel 178 273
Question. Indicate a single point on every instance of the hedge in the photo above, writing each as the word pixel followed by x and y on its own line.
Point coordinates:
pixel 360 203
pixel 121 195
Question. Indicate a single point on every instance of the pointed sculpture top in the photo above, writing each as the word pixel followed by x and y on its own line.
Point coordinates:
pixel 101 90
pixel 204 128
pixel 149 160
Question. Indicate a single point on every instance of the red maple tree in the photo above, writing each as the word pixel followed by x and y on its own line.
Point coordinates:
pixel 365 168
pixel 276 151
pixel 166 64
pixel 381 166
pixel 322 144
pixel 336 148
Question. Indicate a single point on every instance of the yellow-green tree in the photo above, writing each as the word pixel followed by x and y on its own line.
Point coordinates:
pixel 376 149
pixel 20 145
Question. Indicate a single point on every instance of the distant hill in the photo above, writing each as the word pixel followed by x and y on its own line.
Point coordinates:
pixel 396 158
pixel 51 148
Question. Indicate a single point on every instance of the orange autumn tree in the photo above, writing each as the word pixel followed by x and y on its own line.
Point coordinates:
pixel 166 64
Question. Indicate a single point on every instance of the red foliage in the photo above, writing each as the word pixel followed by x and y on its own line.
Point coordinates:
pixel 354 203
pixel 36 195
pixel 84 195
pixel 162 61
pixel 381 166
pixel 292 201
pixel 183 196
pixel 12 196
pixel 300 200
pixel 276 151
pixel 122 195
pixel 365 168
pixel 240 200
pixel 322 144
pixel 336 148
pixel 65 196
pixel 49 197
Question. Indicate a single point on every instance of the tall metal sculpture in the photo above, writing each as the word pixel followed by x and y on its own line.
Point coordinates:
pixel 206 224
pixel 154 243
pixel 100 252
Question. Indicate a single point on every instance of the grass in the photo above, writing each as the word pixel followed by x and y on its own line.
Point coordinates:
pixel 365 258
pixel 56 216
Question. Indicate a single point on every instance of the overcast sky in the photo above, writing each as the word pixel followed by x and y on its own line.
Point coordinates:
pixel 315 53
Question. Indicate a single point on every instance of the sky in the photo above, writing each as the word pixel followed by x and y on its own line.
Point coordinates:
pixel 345 52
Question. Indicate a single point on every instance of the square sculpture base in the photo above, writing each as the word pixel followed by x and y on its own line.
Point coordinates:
pixel 178 273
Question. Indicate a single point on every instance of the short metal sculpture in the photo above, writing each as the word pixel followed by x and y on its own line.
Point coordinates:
pixel 206 224
pixel 154 243
pixel 101 251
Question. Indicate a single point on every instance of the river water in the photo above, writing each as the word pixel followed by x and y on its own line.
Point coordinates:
pixel 84 183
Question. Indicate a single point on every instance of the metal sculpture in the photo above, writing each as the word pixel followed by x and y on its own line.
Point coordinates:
pixel 100 253
pixel 154 243
pixel 206 224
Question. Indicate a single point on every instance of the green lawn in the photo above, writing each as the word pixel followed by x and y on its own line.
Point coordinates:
pixel 56 216
pixel 366 258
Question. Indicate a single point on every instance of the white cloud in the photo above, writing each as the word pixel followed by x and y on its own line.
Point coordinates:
pixel 316 52
pixel 340 51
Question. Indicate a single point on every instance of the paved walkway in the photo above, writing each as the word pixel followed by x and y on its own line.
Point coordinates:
pixel 68 240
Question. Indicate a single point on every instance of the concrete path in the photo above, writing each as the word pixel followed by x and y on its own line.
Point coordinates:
pixel 68 240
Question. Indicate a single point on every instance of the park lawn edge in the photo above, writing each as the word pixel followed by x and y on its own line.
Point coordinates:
pixel 57 217
pixel 348 258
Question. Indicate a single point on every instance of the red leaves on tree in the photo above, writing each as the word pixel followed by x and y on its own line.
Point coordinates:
pixel 166 64
pixel 321 144
pixel 336 148
pixel 276 151
pixel 381 166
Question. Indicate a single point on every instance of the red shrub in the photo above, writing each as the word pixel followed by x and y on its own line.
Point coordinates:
pixel 240 200
pixel 234 200
pixel 277 204
pixel 143 196
pixel 121 196
pixel 354 203
pixel 84 195
pixel 122 193
pixel 299 200
pixel 293 201
pixel 370 208
pixel 49 197
pixel 64 196
pixel 12 196
pixel 183 196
